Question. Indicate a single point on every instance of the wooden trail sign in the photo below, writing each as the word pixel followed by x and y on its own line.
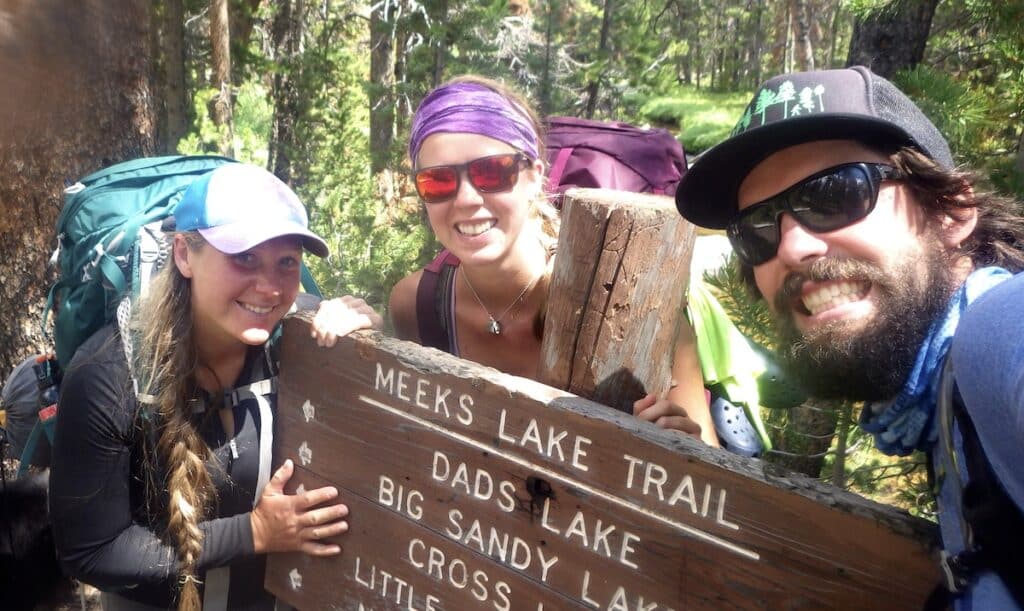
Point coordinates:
pixel 617 290
pixel 472 489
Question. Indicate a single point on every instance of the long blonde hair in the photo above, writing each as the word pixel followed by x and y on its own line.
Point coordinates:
pixel 165 364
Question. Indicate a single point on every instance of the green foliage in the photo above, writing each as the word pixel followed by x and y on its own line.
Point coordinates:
pixel 466 38
pixel 374 240
pixel 748 312
pixel 896 480
pixel 252 116
pixel 372 247
pixel 899 481
pixel 204 136
pixel 864 8
pixel 704 117
pixel 961 113
pixel 1005 177
pixel 977 45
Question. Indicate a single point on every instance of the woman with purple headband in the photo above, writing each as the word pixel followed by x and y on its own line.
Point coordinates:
pixel 479 171
pixel 478 162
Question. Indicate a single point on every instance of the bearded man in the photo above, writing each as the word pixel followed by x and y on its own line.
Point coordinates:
pixel 884 266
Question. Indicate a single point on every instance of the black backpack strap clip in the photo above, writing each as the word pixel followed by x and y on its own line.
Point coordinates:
pixel 958 570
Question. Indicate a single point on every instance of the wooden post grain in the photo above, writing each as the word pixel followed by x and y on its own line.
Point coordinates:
pixel 617 290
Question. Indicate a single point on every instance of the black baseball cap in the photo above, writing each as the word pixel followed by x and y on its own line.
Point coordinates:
pixel 847 104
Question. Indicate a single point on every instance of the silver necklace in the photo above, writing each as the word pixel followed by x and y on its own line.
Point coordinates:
pixel 494 323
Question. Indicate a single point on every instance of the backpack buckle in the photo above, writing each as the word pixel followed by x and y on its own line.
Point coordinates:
pixel 955 572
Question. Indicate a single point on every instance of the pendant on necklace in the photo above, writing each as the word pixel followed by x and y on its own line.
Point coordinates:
pixel 494 327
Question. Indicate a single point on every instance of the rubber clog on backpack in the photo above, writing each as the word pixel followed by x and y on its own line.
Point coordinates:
pixel 735 432
pixel 775 389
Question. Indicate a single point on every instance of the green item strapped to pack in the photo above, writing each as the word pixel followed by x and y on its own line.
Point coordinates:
pixel 727 359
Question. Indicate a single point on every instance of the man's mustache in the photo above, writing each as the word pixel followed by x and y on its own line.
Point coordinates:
pixel 824 270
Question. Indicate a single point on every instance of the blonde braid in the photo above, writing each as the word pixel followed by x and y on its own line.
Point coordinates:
pixel 188 486
pixel 166 368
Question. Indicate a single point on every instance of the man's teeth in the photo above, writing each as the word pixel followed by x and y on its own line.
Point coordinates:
pixel 474 228
pixel 257 309
pixel 834 295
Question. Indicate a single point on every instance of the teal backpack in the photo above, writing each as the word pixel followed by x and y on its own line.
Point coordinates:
pixel 109 243
pixel 101 254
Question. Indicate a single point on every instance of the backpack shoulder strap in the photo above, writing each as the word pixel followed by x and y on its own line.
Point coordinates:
pixel 429 321
pixel 993 525
pixel 558 165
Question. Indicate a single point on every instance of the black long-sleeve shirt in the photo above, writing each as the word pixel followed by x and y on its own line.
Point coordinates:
pixel 104 534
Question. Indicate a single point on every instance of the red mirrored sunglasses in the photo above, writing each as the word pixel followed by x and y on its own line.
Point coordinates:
pixel 491 174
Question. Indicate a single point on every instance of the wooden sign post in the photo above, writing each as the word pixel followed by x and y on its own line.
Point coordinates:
pixel 471 489
pixel 617 290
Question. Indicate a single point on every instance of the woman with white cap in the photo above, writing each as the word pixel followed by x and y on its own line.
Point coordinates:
pixel 161 488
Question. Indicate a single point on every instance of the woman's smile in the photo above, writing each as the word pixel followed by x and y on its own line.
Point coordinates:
pixel 475 228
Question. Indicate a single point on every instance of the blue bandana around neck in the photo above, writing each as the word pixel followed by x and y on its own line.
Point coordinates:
pixel 906 423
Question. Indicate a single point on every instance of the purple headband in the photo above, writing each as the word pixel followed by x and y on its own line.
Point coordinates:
pixel 473 109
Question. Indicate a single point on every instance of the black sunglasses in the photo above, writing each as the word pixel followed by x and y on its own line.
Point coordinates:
pixel 829 200
pixel 491 174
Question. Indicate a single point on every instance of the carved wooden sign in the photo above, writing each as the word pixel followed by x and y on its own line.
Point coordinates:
pixel 472 489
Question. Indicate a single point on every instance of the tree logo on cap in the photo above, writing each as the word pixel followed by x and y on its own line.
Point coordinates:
pixel 786 102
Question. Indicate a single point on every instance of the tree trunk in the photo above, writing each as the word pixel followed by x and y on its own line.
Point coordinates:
pixel 781 30
pixel 817 13
pixel 441 50
pixel 845 417
pixel 546 78
pixel 242 19
pixel 758 44
pixel 174 121
pixel 602 53
pixel 1019 165
pixel 76 78
pixel 220 58
pixel 736 65
pixel 807 435
pixel 686 31
pixel 288 32
pixel 716 35
pixel 382 85
pixel 803 52
pixel 892 38
pixel 401 76
pixel 695 45
pixel 837 12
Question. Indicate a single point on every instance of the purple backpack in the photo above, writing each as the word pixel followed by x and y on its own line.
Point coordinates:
pixel 612 155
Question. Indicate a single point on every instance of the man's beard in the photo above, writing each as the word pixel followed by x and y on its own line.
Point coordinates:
pixel 871 364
